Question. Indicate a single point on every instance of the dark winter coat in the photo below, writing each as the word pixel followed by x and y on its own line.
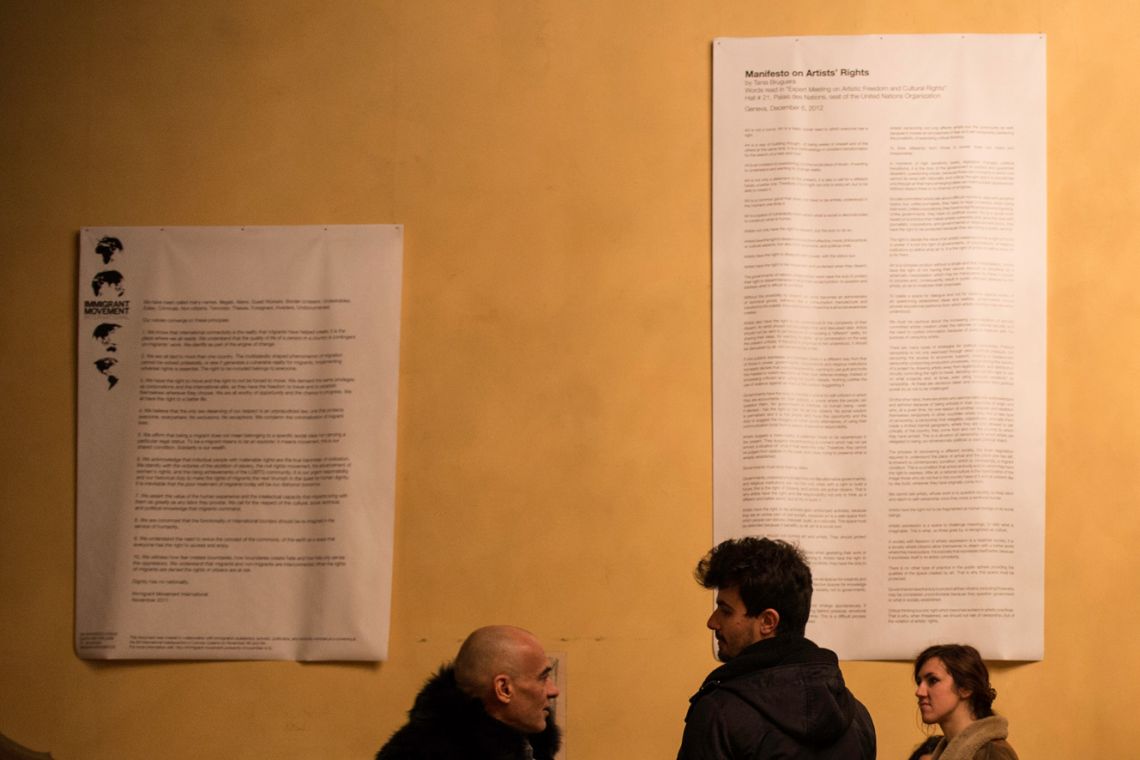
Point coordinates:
pixel 446 724
pixel 779 698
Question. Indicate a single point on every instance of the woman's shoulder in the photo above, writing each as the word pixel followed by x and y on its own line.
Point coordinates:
pixel 998 749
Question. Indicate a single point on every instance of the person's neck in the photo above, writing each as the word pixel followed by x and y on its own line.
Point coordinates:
pixel 955 723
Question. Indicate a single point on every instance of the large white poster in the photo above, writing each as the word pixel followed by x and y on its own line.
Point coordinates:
pixel 237 441
pixel 879 329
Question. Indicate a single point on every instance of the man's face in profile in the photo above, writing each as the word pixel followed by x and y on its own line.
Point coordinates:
pixel 533 690
pixel 733 627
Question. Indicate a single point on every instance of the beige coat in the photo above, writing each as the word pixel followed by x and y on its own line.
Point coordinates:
pixel 983 739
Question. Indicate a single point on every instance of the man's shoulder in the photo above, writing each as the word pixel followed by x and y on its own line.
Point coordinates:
pixel 420 740
pixel 801 709
pixel 440 719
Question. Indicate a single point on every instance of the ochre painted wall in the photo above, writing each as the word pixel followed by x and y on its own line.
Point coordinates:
pixel 551 163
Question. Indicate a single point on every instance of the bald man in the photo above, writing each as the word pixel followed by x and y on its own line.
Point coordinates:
pixel 493 703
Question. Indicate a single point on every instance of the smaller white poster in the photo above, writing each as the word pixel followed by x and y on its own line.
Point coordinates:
pixel 236 443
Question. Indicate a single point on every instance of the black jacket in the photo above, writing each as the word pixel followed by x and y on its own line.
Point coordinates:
pixel 779 698
pixel 446 724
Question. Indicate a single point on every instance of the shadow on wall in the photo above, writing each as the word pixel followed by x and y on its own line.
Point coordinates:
pixel 10 750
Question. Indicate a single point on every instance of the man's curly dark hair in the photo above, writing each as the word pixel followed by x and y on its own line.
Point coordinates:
pixel 768 573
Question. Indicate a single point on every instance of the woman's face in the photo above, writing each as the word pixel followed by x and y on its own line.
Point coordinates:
pixel 939 699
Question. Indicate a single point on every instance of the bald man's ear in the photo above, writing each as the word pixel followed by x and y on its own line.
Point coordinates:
pixel 503 688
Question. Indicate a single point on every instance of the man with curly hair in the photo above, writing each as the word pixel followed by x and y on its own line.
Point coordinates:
pixel 777 695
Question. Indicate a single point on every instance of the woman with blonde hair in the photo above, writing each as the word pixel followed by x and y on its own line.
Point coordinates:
pixel 953 690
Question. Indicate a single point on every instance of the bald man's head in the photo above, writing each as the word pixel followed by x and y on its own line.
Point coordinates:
pixel 487 652
pixel 507 669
